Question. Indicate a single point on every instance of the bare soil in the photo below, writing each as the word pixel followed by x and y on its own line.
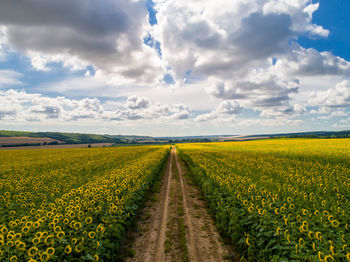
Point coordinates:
pixel 26 140
pixel 176 225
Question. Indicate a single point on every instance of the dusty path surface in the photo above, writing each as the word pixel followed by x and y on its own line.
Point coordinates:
pixel 176 226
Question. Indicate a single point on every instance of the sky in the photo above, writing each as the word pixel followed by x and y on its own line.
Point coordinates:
pixel 175 68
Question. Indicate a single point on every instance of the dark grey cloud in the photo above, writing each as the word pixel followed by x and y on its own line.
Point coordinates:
pixel 88 17
pixel 262 35
pixel 106 34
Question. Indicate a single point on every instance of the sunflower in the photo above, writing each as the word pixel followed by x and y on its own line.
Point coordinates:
pixel 60 234
pixel 50 251
pixel 33 251
pixel 77 225
pixel 25 229
pixel 13 259
pixel 44 256
pixel 79 248
pixel 38 234
pixel 68 249
pixel 4 230
pixel 10 236
pixel 335 223
pixel 36 240
pixel 36 224
pixel 328 258
pixel 49 240
pixel 88 220
pixel 57 229
pixel 20 245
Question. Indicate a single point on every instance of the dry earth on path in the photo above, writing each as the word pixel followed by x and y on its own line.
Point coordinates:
pixel 177 226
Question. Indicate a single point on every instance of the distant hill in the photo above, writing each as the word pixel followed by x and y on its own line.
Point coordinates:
pixel 316 134
pixel 68 138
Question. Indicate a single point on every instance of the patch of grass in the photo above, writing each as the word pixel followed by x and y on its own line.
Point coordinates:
pixel 167 245
pixel 147 216
pixel 181 221
pixel 204 228
pixel 180 211
pixel 129 252
pixel 183 242
pixel 231 257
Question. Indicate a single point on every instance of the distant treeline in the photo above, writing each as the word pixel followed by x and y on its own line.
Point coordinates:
pixel 192 140
pixel 25 144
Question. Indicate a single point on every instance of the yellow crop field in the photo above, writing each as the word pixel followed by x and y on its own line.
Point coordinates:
pixel 72 204
pixel 279 199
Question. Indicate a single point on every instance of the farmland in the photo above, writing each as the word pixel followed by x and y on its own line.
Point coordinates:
pixel 271 200
pixel 72 204
pixel 278 200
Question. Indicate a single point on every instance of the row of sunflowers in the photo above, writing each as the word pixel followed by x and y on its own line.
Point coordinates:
pixel 72 204
pixel 280 199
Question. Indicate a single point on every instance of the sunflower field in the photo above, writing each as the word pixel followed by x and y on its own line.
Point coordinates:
pixel 72 204
pixel 279 199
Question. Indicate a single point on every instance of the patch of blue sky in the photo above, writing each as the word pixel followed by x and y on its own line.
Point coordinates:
pixel 150 41
pixel 250 113
pixel 168 79
pixel 152 12
pixel 152 18
pixel 334 16
pixel 32 78
pixel 274 60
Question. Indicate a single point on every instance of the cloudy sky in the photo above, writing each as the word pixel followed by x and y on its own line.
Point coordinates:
pixel 167 67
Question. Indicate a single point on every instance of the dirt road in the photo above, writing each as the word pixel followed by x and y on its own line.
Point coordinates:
pixel 177 226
